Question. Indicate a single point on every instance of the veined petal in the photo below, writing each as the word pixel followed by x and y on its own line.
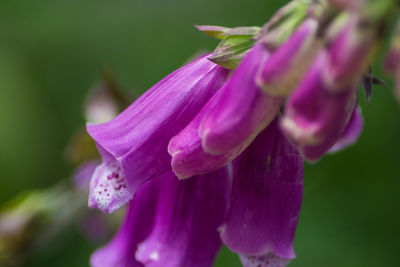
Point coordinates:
pixel 351 133
pixel 284 69
pixel 314 115
pixel 266 197
pixel 136 141
pixel 188 215
pixel 188 155
pixel 243 110
pixel 137 225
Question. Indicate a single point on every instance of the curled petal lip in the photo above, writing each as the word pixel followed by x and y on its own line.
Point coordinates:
pixel 136 140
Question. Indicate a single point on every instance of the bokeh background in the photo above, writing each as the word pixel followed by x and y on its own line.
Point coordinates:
pixel 51 52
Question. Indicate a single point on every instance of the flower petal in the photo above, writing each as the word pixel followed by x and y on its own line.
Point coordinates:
pixel 286 66
pixel 350 52
pixel 243 110
pixel 137 139
pixel 266 197
pixel 188 155
pixel 351 133
pixel 314 115
pixel 108 189
pixel 135 228
pixel 188 215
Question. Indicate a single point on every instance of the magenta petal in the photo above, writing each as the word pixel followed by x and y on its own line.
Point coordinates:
pixel 349 54
pixel 286 66
pixel 243 110
pixel 188 155
pixel 266 197
pixel 315 116
pixel 188 215
pixel 351 133
pixel 135 228
pixel 136 140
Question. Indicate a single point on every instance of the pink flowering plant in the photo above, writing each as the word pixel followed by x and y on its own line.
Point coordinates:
pixel 213 153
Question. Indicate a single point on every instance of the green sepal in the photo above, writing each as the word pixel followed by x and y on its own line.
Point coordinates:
pixel 231 50
pixel 282 24
pixel 213 31
pixel 221 33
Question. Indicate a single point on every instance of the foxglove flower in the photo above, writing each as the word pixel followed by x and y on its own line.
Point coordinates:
pixel 188 215
pixel 350 52
pixel 170 223
pixel 314 115
pixel 243 110
pixel 188 156
pixel 199 124
pixel 133 145
pixel 136 226
pixel 287 65
pixel 266 200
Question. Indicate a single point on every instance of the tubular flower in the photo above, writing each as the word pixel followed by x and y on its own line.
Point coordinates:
pixel 314 116
pixel 266 198
pixel 133 145
pixel 287 65
pixel 238 136
pixel 243 110
pixel 137 224
pixel 350 52
pixel 188 215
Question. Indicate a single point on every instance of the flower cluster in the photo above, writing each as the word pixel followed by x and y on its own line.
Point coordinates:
pixel 213 153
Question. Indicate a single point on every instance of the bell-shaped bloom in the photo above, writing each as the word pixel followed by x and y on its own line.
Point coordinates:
pixel 266 199
pixel 351 133
pixel 137 225
pixel 287 65
pixel 349 53
pixel 314 115
pixel 133 145
pixel 188 214
pixel 243 110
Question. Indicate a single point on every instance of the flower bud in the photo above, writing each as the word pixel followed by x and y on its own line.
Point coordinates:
pixel 314 116
pixel 287 65
pixel 242 111
pixel 349 52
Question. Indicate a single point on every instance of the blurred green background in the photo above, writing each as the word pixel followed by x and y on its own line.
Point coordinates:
pixel 51 52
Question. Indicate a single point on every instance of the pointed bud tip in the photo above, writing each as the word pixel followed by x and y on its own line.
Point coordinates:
pixel 213 31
